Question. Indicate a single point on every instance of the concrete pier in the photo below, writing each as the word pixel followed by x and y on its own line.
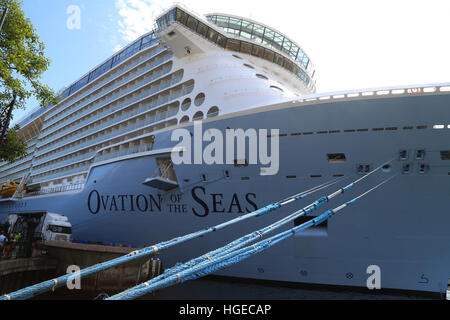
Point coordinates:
pixel 85 255
pixel 16 274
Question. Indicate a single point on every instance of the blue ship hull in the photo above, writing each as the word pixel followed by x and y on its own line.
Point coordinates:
pixel 401 227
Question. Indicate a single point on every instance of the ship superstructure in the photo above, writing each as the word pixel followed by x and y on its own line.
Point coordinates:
pixel 102 156
pixel 140 89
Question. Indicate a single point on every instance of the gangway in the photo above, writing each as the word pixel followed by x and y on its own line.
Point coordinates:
pixel 18 194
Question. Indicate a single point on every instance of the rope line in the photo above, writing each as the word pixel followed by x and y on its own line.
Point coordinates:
pixel 51 285
pixel 236 256
pixel 241 242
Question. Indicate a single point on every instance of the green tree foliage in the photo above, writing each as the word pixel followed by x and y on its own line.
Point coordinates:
pixel 14 147
pixel 22 62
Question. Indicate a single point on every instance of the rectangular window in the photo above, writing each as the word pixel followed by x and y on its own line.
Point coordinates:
pixel 222 22
pixel 212 35
pixel 268 36
pixel 278 41
pixel 125 54
pixel 233 45
pixel 202 29
pixel 246 47
pixel 288 65
pixel 148 41
pixel 60 229
pixel 65 93
pixel 305 62
pixel 279 59
pixel 247 27
pixel 181 16
pixel 221 40
pixel 336 158
pixel 445 155
pixel 240 163
pixel 171 16
pixel 192 23
pixel 258 31
pixel 246 35
pixel 79 84
pixel 269 55
pixel 235 24
pixel 213 19
pixel 295 69
pixel 294 51
pixel 258 51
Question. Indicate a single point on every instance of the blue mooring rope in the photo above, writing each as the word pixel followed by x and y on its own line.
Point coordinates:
pixel 51 285
pixel 46 286
pixel 230 258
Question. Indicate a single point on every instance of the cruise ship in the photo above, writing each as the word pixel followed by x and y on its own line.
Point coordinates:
pixel 103 156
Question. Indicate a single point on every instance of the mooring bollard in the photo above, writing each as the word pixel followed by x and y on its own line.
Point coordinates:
pixel 156 267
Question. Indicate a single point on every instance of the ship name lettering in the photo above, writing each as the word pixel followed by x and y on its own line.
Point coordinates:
pixel 216 202
pixel 123 203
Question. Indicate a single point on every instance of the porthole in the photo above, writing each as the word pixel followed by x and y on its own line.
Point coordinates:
pixel 249 66
pixel 213 112
pixel 198 116
pixel 275 88
pixel 186 104
pixel 184 119
pixel 237 57
pixel 199 99
pixel 262 76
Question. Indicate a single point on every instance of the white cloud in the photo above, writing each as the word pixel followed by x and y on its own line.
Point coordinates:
pixel 137 16
pixel 117 48
pixel 352 43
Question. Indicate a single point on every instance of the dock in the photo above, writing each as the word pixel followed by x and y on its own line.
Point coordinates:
pixel 55 257
pixel 19 273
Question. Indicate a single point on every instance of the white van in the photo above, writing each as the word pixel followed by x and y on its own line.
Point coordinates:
pixel 51 226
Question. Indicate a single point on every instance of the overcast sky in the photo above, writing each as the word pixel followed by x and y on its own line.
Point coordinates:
pixel 353 44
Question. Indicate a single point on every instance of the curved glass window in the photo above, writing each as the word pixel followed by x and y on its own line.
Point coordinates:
pixel 213 112
pixel 186 104
pixel 184 119
pixel 258 33
pixel 198 116
pixel 251 38
pixel 199 99
pixel 262 76
pixel 275 88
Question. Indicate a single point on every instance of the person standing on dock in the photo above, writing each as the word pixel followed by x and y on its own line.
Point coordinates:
pixel 2 241
pixel 8 244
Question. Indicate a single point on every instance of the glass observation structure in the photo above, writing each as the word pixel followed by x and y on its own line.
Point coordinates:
pixel 260 34
pixel 249 38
